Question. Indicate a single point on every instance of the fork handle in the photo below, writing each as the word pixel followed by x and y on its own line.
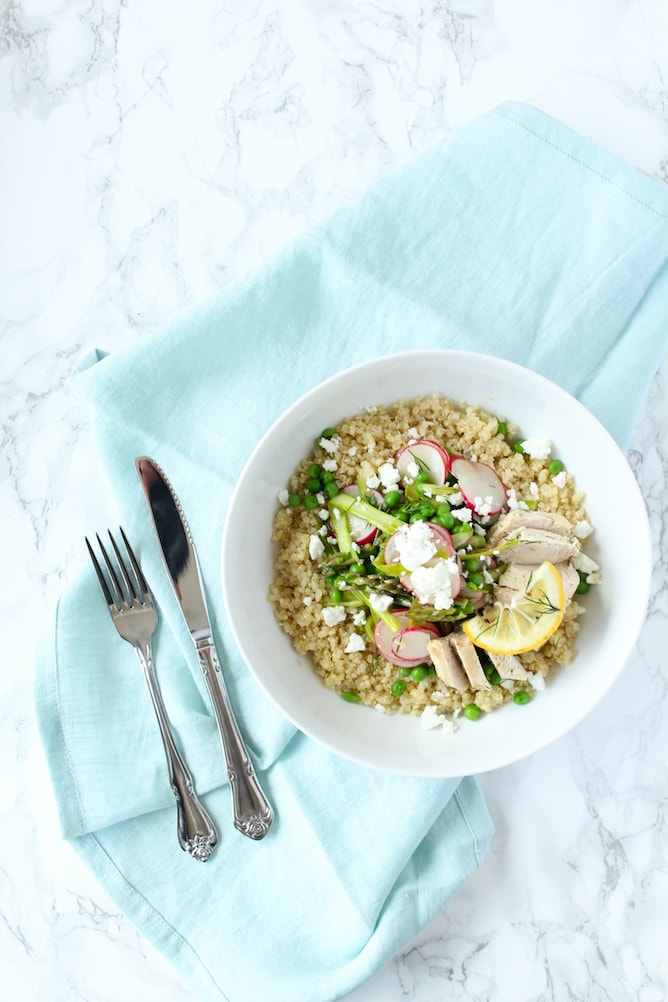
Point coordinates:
pixel 196 832
pixel 253 814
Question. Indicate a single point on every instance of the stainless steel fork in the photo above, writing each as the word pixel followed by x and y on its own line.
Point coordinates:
pixel 133 613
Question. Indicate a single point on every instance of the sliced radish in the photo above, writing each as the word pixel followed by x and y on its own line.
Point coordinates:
pixel 439 536
pixel 409 646
pixel 384 638
pixel 426 455
pixel 361 531
pixel 479 486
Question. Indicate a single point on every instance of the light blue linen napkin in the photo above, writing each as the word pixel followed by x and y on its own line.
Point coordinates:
pixel 514 236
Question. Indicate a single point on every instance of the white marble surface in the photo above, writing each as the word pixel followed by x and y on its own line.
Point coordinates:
pixel 150 155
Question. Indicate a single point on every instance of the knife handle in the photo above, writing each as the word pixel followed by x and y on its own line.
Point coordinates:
pixel 253 814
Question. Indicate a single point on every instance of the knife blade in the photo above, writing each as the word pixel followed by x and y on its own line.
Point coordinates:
pixel 252 811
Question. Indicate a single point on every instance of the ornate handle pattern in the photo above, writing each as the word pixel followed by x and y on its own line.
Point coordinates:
pixel 196 832
pixel 253 814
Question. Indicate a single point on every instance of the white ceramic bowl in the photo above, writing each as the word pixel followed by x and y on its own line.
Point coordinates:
pixel 615 609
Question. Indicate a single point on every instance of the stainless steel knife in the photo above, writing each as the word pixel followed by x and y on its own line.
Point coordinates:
pixel 253 814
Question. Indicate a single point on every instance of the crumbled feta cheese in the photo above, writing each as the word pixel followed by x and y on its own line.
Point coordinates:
pixel 371 409
pixel 330 445
pixel 315 548
pixel 352 451
pixel 355 643
pixel 412 435
pixel 323 514
pixel 483 506
pixel 323 530
pixel 560 479
pixel 582 529
pixel 320 498
pixel 380 708
pixel 537 448
pixel 359 619
pixel 537 679
pixel 308 600
pixel 513 503
pixel 373 482
pixel 333 614
pixel 464 514
pixel 381 603
pixel 430 717
pixel 415 545
pixel 331 465
pixel 282 497
pixel 581 562
pixel 371 447
pixel 454 499
pixel 389 475
pixel 412 469
pixel 533 489
pixel 433 585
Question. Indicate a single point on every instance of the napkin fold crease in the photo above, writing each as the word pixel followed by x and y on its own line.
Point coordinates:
pixel 513 236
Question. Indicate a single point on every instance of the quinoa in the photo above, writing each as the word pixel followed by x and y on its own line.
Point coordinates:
pixel 359 447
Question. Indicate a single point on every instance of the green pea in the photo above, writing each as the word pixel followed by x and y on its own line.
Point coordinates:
pixel 398 687
pixel 340 582
pixel 392 499
pixel 475 581
pixel 502 428
pixel 427 510
pixel 477 541
pixel 336 596
pixel 403 516
pixel 357 568
pixel 313 484
pixel 492 674
pixel 471 563
pixel 446 520
pixel 471 712
pixel 404 672
pixel 518 445
pixel 294 500
pixel 422 477
pixel 555 466
pixel 330 489
pixel 350 697
pixel 419 673
pixel 314 470
pixel 326 477
pixel 311 501
pixel 328 433
pixel 583 586
pixel 522 697
pixel 443 508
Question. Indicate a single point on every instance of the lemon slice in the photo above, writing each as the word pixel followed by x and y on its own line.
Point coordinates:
pixel 527 621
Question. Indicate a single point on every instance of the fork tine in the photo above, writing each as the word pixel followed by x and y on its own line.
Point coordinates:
pixel 141 580
pixel 100 576
pixel 119 597
pixel 129 582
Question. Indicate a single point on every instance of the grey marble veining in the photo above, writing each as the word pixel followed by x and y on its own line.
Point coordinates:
pixel 151 154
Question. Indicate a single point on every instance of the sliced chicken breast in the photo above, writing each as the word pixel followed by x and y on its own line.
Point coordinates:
pixel 533 546
pixel 468 656
pixel 447 664
pixel 519 518
pixel 509 666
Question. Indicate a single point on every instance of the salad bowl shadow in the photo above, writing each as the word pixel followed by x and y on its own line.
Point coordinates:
pixel 615 609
